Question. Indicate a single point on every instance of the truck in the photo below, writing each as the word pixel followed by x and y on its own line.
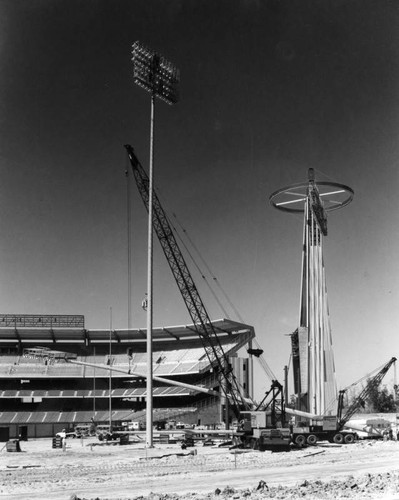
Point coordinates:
pixel 111 433
pixel 326 429
pixel 135 425
pixel 335 429
pixel 84 430
pixel 262 435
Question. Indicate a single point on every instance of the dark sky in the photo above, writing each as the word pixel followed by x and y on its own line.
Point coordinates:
pixel 268 89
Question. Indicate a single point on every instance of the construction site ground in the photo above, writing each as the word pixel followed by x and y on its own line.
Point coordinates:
pixel 88 469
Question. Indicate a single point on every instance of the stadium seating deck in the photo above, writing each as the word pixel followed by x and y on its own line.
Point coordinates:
pixel 115 393
pixel 76 417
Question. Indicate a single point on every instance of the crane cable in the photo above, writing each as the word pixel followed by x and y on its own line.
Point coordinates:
pixel 214 278
pixel 368 375
pixel 242 389
pixel 261 359
pixel 176 233
pixel 197 266
pixel 350 386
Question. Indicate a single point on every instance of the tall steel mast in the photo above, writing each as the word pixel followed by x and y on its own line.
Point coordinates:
pixel 313 357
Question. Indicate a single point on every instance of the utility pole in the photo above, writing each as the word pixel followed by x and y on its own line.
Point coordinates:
pixel 160 78
pixel 286 384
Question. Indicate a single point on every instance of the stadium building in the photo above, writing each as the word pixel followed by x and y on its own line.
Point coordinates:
pixel 40 396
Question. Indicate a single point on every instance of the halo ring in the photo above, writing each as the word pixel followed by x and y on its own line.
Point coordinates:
pixel 339 196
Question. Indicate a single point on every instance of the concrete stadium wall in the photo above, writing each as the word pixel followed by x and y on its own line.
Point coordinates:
pixel 209 415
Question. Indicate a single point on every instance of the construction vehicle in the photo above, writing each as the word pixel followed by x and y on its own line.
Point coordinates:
pixel 373 428
pixel 332 428
pixel 266 427
pixel 84 430
pixel 110 433
pixel 269 428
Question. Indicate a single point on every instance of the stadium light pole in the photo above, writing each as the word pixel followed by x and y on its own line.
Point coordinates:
pixel 110 371
pixel 159 77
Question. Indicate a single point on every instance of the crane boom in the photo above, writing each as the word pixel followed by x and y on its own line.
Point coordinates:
pixel 196 308
pixel 372 384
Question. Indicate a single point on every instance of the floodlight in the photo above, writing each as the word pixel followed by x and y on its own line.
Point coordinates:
pixel 155 74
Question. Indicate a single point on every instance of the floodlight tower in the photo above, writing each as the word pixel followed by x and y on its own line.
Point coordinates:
pixel 312 352
pixel 160 78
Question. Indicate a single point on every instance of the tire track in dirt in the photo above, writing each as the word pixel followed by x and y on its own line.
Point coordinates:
pixel 127 474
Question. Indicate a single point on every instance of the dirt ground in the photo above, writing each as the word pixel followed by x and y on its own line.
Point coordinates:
pixel 90 470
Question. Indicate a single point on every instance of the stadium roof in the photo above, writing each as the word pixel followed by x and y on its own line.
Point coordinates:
pixel 170 337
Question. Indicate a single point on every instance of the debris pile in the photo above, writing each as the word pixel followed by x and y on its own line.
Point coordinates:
pixel 369 486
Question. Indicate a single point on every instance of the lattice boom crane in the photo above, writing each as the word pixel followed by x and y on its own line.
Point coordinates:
pixel 372 384
pixel 195 306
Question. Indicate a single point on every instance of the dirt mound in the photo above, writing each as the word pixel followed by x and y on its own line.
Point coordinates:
pixel 369 486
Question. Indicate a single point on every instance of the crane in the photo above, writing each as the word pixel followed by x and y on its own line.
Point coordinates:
pixel 332 428
pixel 192 299
pixel 360 400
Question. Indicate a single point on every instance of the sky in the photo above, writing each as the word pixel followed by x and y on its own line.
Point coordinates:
pixel 268 89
